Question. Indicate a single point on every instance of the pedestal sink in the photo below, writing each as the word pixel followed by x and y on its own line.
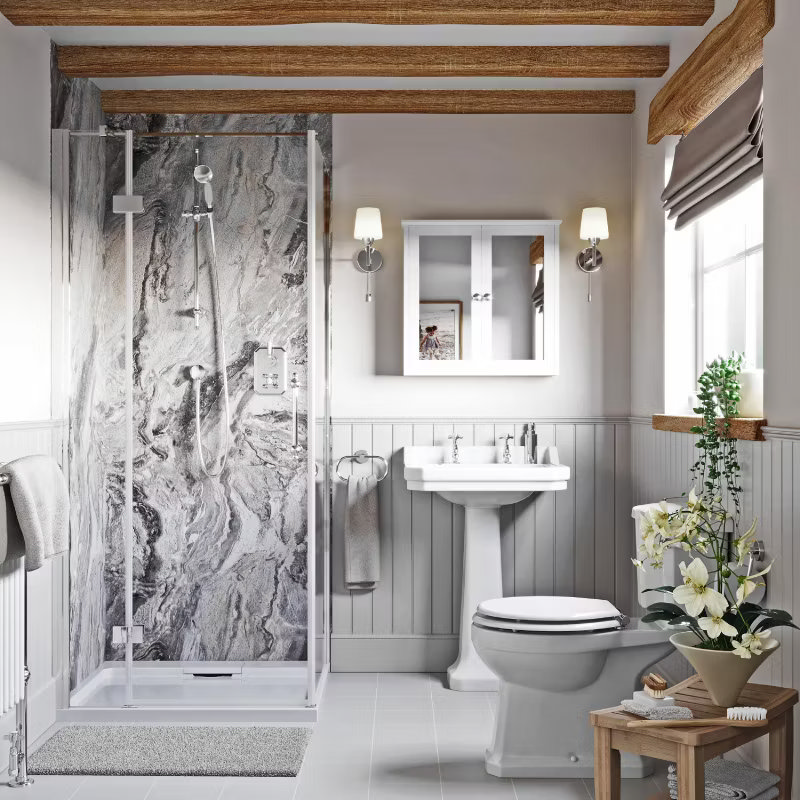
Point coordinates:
pixel 480 482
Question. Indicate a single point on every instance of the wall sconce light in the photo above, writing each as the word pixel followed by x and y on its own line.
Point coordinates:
pixel 594 227
pixel 368 228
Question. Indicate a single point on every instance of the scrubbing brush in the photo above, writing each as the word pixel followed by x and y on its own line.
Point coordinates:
pixel 738 717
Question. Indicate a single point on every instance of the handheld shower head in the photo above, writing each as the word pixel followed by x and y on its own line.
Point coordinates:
pixel 203 175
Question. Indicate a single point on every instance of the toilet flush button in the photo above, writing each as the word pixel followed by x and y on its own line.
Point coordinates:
pixel 573 758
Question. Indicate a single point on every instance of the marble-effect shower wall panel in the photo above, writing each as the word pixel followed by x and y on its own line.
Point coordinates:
pixel 219 563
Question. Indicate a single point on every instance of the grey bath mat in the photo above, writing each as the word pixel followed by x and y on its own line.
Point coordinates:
pixel 172 750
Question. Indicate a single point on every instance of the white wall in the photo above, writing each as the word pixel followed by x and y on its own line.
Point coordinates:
pixel 485 166
pixel 24 223
pixel 648 369
pixel 781 205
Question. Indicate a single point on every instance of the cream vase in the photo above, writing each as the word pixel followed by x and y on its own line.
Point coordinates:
pixel 723 672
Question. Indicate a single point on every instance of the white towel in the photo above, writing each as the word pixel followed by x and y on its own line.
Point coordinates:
pixel 362 539
pixel 731 780
pixel 39 494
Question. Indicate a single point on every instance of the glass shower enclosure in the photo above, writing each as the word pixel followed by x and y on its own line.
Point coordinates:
pixel 199 447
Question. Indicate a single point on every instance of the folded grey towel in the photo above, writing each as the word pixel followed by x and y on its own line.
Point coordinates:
pixel 731 780
pixel 41 502
pixel 362 539
pixel 712 788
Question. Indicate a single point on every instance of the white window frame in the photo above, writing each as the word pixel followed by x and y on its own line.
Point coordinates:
pixel 700 271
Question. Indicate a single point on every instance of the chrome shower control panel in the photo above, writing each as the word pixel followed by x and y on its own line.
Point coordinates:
pixel 269 370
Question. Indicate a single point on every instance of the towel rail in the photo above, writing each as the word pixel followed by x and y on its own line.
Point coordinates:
pixel 361 457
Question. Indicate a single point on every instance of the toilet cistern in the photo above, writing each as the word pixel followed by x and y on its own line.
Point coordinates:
pixel 477 479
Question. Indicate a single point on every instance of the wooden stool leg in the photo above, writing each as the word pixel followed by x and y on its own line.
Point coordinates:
pixel 781 753
pixel 691 773
pixel 606 767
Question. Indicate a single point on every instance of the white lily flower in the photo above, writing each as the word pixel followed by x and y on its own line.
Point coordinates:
pixel 747 584
pixel 753 644
pixel 692 499
pixel 637 562
pixel 744 544
pixel 695 594
pixel 716 626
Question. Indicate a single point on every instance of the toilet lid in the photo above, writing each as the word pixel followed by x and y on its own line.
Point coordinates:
pixel 547 611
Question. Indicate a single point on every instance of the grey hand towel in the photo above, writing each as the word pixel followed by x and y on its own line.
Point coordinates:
pixel 39 494
pixel 732 780
pixel 11 543
pixel 362 540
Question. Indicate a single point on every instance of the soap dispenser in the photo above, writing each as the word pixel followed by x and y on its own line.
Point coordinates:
pixel 530 441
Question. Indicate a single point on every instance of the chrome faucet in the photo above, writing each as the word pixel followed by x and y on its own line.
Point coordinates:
pixel 454 451
pixel 507 449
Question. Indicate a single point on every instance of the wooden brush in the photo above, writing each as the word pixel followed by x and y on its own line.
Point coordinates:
pixel 738 717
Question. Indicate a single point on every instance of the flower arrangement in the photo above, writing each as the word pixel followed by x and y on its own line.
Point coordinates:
pixel 718 580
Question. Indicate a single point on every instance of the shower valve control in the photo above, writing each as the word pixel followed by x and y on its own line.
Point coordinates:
pixel 269 370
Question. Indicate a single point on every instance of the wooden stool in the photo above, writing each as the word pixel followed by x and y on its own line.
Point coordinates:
pixel 690 748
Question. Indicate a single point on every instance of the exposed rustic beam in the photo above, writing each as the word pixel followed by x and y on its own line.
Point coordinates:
pixel 345 101
pixel 722 62
pixel 382 12
pixel 533 62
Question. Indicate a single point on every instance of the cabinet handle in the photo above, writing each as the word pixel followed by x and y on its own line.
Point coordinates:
pixel 487 296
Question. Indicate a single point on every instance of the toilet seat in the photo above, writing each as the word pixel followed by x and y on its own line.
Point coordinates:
pixel 547 614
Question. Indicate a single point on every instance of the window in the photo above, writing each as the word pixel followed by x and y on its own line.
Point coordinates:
pixel 729 245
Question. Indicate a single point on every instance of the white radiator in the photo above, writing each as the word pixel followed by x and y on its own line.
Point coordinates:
pixel 12 634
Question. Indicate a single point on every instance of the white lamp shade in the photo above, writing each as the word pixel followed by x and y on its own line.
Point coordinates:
pixel 368 224
pixel 594 224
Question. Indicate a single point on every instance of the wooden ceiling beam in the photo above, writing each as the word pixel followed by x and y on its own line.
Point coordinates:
pixel 322 61
pixel 379 12
pixel 343 101
pixel 722 62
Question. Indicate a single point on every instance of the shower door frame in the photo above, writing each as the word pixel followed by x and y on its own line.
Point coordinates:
pixel 135 708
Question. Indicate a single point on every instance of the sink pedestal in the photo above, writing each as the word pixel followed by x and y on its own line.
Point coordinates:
pixel 483 580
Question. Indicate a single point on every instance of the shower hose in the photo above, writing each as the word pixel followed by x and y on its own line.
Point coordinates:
pixel 218 326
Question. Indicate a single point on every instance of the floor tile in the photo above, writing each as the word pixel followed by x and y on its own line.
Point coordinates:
pixel 45 787
pixel 186 788
pixel 636 789
pixel 104 787
pixel 404 684
pixel 544 789
pixel 258 789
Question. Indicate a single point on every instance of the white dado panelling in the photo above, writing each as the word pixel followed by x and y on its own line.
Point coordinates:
pixel 47 613
pixel 576 542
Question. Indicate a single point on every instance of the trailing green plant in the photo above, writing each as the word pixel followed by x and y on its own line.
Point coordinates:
pixel 716 584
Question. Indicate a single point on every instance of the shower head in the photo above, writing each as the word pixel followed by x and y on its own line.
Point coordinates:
pixel 203 175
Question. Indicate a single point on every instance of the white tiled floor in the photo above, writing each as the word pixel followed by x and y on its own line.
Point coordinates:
pixel 380 737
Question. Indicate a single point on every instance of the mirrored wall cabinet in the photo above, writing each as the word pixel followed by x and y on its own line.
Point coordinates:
pixel 480 297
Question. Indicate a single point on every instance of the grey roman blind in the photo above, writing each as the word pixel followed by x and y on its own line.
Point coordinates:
pixel 720 157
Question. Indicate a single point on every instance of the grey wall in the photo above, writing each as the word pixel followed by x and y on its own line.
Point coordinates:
pixel 482 167
pixel 576 542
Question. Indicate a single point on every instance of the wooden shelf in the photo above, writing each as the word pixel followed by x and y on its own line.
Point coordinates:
pixel 741 427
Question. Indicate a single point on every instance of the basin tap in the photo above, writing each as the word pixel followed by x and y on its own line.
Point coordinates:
pixel 454 452
pixel 507 448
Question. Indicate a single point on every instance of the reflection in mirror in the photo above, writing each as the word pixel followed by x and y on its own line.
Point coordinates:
pixel 518 297
pixel 445 282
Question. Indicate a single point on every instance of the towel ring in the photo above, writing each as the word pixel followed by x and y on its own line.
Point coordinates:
pixel 361 457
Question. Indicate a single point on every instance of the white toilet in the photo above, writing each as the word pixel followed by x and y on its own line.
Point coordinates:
pixel 558 658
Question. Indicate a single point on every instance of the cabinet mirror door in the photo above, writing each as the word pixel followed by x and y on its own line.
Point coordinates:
pixel 517 265
pixel 480 298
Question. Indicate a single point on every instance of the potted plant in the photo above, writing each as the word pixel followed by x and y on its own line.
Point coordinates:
pixel 726 637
